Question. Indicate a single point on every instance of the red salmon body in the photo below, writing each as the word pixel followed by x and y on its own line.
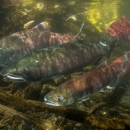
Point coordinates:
pixel 83 86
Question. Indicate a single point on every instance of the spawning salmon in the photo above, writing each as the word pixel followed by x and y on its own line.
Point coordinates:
pixel 56 60
pixel 22 43
pixel 84 86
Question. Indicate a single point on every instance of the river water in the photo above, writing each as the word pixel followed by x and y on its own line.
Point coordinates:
pixel 68 16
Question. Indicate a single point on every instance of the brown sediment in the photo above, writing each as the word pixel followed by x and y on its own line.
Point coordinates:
pixel 35 106
pixel 77 115
pixel 96 106
pixel 10 113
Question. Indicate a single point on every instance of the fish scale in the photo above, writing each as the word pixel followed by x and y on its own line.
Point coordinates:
pixel 84 86
pixel 55 60
pixel 19 44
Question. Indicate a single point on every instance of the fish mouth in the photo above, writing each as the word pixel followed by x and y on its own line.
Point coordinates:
pixel 50 103
pixel 14 78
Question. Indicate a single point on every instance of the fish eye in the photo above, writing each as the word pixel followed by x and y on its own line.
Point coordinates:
pixel 58 98
pixel 24 70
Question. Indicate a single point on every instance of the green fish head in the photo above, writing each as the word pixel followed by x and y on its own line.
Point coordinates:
pixel 23 70
pixel 60 96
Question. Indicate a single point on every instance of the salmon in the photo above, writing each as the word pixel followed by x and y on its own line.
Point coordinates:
pixel 120 29
pixel 84 86
pixel 55 60
pixel 22 43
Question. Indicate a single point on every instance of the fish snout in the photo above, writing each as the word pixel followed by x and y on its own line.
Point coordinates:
pixel 14 78
pixel 48 102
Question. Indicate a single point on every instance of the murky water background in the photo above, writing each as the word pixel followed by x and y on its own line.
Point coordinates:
pixel 67 17
pixel 61 16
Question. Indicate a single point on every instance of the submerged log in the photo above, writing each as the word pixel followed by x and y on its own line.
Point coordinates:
pixel 95 107
pixel 36 106
pixel 77 115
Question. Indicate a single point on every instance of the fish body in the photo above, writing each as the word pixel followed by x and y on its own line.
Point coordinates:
pixel 22 43
pixel 82 87
pixel 53 61
pixel 122 76
pixel 120 29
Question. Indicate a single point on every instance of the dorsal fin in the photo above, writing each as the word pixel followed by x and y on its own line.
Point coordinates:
pixel 103 64
pixel 41 26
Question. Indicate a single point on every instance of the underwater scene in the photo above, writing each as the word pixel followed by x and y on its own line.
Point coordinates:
pixel 64 65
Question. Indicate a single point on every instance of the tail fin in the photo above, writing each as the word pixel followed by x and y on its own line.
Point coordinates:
pixel 117 33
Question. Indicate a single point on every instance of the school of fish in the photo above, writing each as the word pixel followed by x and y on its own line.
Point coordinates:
pixel 22 43
pixel 38 54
